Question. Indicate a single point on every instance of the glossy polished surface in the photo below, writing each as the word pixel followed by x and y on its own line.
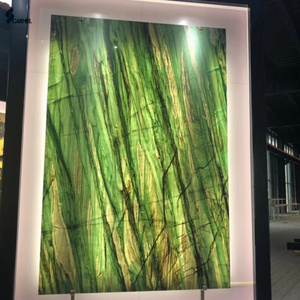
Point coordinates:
pixel 136 180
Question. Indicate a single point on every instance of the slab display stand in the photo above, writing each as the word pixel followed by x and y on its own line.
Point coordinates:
pixel 235 21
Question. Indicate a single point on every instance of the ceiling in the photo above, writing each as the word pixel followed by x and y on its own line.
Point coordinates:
pixel 282 60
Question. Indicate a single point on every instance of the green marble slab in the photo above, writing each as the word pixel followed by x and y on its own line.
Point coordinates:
pixel 135 193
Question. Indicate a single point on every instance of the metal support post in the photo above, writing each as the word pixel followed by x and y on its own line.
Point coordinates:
pixel 204 288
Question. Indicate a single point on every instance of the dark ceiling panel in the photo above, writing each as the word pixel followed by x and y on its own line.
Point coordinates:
pixel 282 44
pixel 282 56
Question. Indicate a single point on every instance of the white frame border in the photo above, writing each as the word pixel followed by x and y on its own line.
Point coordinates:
pixel 235 21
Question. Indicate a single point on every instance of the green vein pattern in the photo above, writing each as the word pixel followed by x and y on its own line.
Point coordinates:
pixel 135 191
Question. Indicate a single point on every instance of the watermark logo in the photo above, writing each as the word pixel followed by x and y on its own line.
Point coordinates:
pixel 9 14
pixel 11 18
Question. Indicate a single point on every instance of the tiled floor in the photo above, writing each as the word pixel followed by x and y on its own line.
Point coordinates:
pixel 285 264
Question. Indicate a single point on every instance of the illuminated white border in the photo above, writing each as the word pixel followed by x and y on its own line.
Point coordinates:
pixel 235 21
pixel 2 107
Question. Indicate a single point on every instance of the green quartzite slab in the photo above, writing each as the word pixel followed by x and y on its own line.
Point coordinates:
pixel 135 191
